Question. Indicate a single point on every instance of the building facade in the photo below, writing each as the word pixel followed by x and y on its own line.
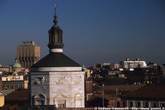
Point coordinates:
pixel 131 64
pixel 56 79
pixel 28 53
pixel 14 82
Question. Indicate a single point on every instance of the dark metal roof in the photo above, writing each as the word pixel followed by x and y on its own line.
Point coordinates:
pixel 56 60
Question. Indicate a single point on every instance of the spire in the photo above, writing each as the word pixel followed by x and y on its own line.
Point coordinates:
pixel 55 35
pixel 55 13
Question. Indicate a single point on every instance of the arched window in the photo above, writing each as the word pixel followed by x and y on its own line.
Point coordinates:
pixel 38 100
pixel 138 104
pixel 130 104
pixel 118 104
pixel 146 104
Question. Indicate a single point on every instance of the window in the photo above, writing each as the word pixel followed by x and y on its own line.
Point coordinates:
pixel 154 104
pixel 38 100
pixel 162 104
pixel 124 104
pixel 118 104
pixel 138 104
pixel 130 104
pixel 146 105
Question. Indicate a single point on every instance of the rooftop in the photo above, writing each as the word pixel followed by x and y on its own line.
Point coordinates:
pixel 56 60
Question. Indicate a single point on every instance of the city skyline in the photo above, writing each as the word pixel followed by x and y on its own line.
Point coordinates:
pixel 95 31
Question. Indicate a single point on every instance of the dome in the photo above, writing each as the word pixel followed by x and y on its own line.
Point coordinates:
pixel 56 60
pixel 17 65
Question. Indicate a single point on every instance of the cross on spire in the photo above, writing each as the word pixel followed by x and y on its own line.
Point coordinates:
pixel 55 7
pixel 55 13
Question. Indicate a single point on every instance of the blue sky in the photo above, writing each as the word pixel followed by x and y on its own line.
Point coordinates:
pixel 95 31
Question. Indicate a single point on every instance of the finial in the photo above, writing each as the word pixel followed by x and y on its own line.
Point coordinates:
pixel 55 13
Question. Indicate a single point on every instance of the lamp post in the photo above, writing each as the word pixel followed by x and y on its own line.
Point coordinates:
pixel 103 95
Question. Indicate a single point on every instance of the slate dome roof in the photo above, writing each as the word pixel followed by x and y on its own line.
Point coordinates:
pixel 56 60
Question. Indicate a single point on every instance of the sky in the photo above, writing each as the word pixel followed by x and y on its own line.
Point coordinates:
pixel 95 31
